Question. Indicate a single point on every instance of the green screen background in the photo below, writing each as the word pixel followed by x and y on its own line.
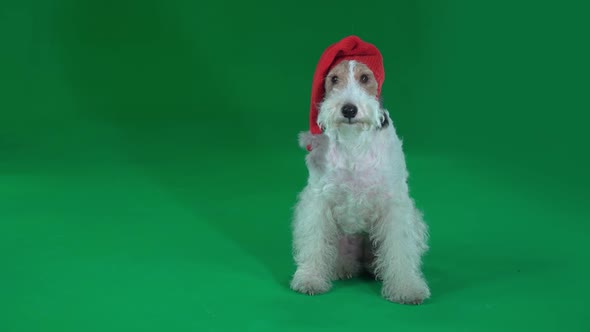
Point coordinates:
pixel 149 163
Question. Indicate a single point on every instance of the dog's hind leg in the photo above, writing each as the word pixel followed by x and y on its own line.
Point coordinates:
pixel 368 257
pixel 350 251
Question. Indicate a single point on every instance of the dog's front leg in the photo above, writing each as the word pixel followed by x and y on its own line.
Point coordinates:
pixel 315 240
pixel 401 240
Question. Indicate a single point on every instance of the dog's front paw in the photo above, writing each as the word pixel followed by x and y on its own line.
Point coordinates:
pixel 309 283
pixel 406 293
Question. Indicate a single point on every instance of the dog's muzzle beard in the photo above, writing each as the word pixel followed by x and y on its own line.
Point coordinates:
pixel 348 106
pixel 336 118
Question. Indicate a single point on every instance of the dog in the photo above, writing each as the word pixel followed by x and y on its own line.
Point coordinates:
pixel 355 214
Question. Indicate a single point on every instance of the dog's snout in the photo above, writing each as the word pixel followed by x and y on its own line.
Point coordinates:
pixel 349 111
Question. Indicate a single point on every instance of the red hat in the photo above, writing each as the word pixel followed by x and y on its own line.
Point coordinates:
pixel 349 48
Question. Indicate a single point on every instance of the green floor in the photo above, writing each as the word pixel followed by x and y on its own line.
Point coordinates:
pixel 149 164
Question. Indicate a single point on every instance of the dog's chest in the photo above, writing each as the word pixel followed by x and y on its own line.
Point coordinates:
pixel 356 186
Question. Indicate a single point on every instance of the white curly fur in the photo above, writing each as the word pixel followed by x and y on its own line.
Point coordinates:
pixel 356 204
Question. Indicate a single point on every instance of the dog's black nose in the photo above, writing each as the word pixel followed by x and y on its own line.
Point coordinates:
pixel 349 111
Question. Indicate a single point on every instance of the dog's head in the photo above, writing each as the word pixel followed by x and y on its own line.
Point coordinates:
pixel 351 99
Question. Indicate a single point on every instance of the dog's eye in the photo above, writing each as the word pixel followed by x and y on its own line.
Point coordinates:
pixel 364 78
pixel 334 79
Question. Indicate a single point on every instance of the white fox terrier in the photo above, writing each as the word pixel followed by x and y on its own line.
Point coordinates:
pixel 356 214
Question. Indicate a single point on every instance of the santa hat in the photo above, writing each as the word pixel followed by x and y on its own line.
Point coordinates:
pixel 349 48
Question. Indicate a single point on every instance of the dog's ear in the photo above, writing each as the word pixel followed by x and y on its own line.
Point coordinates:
pixel 384 120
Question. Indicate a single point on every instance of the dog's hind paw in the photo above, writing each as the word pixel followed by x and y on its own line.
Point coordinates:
pixel 346 271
